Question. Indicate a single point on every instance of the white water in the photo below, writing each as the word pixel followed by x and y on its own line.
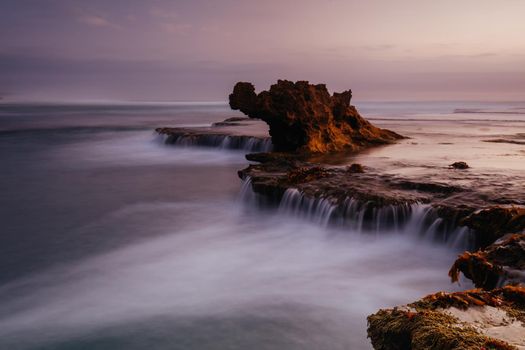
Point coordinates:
pixel 417 220
pixel 231 265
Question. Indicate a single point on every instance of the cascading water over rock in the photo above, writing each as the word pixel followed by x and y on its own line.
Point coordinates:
pixel 245 143
pixel 420 220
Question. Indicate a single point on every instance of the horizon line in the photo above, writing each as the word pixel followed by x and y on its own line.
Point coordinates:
pixel 222 102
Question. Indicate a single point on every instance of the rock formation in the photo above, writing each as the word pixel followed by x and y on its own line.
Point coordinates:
pixel 304 117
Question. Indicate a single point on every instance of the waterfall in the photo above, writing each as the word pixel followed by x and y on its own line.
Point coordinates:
pixel 419 220
pixel 245 143
pixel 246 194
pixel 350 213
pixel 318 209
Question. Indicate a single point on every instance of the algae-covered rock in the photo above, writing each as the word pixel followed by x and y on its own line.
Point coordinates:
pixel 501 262
pixel 472 319
pixel 400 329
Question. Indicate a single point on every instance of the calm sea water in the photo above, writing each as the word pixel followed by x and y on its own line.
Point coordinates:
pixel 110 239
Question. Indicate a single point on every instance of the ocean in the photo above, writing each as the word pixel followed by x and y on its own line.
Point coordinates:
pixel 111 239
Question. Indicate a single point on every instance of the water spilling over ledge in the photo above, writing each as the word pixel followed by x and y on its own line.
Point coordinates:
pixel 240 142
pixel 244 134
pixel 375 200
pixel 355 216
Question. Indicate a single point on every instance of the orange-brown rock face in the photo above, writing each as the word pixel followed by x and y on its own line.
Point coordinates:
pixel 304 117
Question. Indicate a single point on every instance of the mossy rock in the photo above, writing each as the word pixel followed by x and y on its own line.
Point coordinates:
pixel 425 324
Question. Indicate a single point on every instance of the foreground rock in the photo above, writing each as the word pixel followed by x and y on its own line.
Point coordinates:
pixel 304 117
pixel 500 263
pixel 472 319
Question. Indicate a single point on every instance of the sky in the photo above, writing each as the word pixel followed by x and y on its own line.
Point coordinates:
pixel 195 50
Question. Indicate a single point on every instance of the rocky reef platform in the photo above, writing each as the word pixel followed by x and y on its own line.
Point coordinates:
pixel 365 195
pixel 322 159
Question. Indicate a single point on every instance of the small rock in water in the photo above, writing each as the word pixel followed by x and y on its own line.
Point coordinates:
pixel 355 168
pixel 459 165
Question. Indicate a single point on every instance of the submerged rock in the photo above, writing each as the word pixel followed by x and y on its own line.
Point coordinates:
pixel 304 117
pixel 517 139
pixel 501 262
pixel 473 319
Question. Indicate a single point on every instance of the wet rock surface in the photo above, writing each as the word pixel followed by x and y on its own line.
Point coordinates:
pixel 492 223
pixel 275 176
pixel 473 319
pixel 305 117
pixel 455 205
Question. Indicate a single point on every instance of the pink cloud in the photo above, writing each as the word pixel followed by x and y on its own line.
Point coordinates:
pixel 98 21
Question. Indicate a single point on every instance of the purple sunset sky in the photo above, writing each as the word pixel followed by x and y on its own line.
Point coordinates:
pixel 161 50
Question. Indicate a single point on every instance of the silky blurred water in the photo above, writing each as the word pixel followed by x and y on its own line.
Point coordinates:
pixel 110 239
